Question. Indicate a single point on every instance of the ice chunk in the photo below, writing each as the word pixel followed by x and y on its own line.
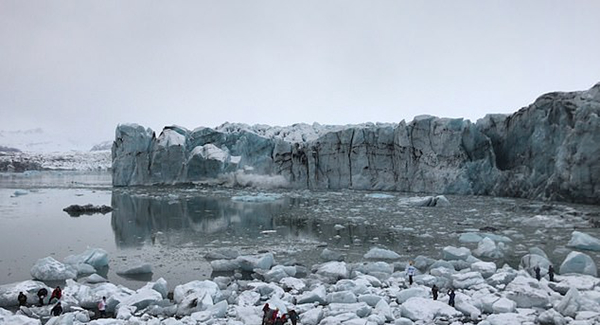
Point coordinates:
pixel 580 240
pixel 224 265
pixel 528 292
pixel 487 269
pixel 466 280
pixel 279 272
pixel 96 257
pixel 551 316
pixel 424 309
pixel 292 283
pixel 530 261
pixel 312 316
pixel 223 253
pixel 573 302
pixel 344 297
pixel 217 310
pixel 404 295
pixel 19 320
pixel 142 298
pixel 504 305
pixel 330 255
pixel 333 270
pixel 383 308
pixel 10 292
pixel 470 237
pixel 488 248
pixel 379 196
pixel 20 192
pixel 376 253
pixel 196 288
pixel 370 299
pixel 455 253
pixel 249 263
pixel 507 318
pixel 94 278
pixel 144 268
pixel 577 262
pixel 578 281
pixel 318 294
pixel 360 309
pixel 49 269
pixel 538 251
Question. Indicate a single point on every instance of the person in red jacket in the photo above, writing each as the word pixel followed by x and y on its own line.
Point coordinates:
pixel 56 293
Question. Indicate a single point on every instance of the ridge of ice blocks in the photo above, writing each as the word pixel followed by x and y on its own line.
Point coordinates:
pixel 367 292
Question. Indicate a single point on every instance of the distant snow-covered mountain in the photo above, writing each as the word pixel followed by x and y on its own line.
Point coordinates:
pixel 38 149
pixel 40 140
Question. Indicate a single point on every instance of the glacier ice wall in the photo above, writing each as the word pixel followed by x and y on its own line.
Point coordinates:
pixel 548 150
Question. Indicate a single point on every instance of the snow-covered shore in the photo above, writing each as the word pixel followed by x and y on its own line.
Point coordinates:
pixel 375 291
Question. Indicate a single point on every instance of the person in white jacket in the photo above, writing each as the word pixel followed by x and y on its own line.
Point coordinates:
pixel 410 271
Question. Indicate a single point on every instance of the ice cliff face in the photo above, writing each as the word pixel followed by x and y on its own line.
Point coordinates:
pixel 549 150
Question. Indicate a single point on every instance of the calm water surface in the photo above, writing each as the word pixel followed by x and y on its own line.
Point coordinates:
pixel 173 228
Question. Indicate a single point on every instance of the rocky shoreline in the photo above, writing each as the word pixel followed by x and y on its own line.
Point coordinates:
pixel 374 291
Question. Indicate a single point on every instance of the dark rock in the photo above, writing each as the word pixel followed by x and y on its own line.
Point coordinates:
pixel 78 210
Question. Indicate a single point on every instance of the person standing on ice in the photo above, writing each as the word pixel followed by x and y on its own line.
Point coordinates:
pixel 434 292
pixel 536 269
pixel 451 296
pixel 410 271
pixel 42 293
pixel 551 273
pixel 102 307
pixel 293 316
pixel 22 299
pixel 56 310
pixel 56 293
pixel 266 313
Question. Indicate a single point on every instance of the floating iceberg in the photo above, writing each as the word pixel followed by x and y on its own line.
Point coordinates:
pixel 96 257
pixel 49 269
pixel 376 253
pixel 144 268
pixel 580 240
pixel 580 263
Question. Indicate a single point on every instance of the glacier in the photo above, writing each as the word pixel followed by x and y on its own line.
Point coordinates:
pixel 548 150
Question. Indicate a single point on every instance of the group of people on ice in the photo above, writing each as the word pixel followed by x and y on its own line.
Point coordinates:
pixel 410 272
pixel 56 294
pixel 272 317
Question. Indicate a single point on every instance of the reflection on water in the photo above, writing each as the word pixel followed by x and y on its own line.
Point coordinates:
pixel 173 228
pixel 139 219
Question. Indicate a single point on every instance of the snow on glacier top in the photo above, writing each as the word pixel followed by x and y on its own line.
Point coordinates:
pixel 210 151
pixel 170 137
pixel 299 132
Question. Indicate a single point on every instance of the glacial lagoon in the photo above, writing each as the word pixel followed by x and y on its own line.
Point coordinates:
pixel 174 227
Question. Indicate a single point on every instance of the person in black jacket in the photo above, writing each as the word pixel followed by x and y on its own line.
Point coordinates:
pixel 56 310
pixel 22 298
pixel 42 293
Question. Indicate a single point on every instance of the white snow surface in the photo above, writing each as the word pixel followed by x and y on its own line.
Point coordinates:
pixel 210 151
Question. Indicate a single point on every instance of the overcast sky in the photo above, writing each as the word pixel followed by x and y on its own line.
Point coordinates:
pixel 87 66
